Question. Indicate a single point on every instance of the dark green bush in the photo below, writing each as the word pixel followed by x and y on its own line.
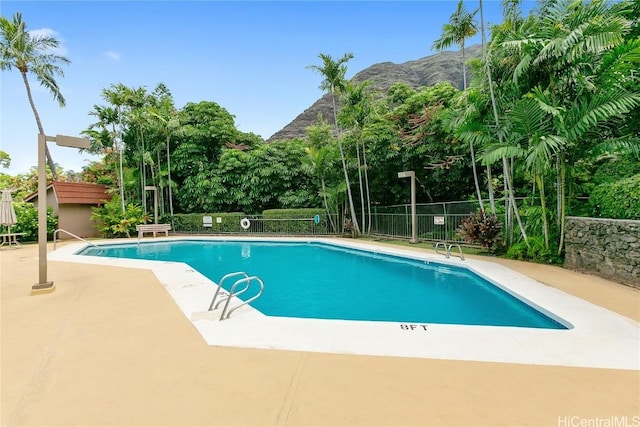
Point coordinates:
pixel 27 217
pixel 300 221
pixel 481 228
pixel 616 169
pixel 192 223
pixel 618 200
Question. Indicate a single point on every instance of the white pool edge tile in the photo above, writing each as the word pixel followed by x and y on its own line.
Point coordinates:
pixel 598 338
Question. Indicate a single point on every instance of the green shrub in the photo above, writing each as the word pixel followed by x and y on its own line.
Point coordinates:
pixel 536 251
pixel 113 223
pixel 618 200
pixel 27 217
pixel 300 221
pixel 481 228
pixel 192 223
pixel 616 169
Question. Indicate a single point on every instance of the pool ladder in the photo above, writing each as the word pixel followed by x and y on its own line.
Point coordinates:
pixel 448 247
pixel 245 280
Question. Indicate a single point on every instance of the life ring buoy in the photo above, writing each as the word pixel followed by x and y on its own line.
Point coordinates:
pixel 245 223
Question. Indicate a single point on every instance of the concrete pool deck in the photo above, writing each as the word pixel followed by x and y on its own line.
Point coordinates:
pixel 111 347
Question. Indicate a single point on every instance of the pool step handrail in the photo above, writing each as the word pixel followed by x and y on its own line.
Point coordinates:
pixel 461 255
pixel 226 311
pixel 448 247
pixel 445 247
pixel 213 304
pixel 55 238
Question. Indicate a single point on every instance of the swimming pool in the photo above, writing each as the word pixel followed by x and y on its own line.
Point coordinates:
pixel 596 337
pixel 324 281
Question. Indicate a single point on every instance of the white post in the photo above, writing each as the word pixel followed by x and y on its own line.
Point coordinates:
pixel 43 286
pixel 414 215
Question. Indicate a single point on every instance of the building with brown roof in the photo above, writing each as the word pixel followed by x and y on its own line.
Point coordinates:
pixel 72 203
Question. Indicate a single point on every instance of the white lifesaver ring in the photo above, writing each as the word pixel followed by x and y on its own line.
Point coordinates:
pixel 245 223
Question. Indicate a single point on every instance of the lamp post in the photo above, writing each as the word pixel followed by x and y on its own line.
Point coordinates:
pixel 43 286
pixel 414 216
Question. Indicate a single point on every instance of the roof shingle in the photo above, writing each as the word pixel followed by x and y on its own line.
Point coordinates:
pixel 78 193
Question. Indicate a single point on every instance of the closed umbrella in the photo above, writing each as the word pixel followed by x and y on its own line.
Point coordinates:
pixel 7 213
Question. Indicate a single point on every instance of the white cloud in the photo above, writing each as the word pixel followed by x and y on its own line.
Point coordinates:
pixel 48 32
pixel 113 55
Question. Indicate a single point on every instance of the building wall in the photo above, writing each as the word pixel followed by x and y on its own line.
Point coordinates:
pixel 52 202
pixel 607 247
pixel 77 220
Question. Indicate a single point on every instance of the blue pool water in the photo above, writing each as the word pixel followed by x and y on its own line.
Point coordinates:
pixel 317 280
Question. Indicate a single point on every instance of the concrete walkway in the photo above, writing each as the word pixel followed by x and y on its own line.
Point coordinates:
pixel 110 348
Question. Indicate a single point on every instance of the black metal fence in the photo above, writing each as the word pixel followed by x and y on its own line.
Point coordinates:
pixel 435 221
pixel 318 225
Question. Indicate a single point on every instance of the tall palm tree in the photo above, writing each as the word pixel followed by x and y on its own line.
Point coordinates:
pixel 334 83
pixel 32 54
pixel 355 113
pixel 461 26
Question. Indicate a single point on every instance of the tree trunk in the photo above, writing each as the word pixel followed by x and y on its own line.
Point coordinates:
pixel 159 184
pixel 475 176
pixel 514 205
pixel 543 207
pixel 169 176
pixel 52 165
pixel 561 191
pixel 326 204
pixel 362 218
pixel 504 160
pixel 464 68
pixel 366 183
pixel 492 202
pixel 352 212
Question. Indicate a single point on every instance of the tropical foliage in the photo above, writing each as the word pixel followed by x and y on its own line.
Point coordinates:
pixel 27 216
pixel 551 111
pixel 481 228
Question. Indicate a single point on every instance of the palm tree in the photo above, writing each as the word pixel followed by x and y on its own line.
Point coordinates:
pixel 461 26
pixel 31 54
pixel 334 83
pixel 355 113
pixel 573 63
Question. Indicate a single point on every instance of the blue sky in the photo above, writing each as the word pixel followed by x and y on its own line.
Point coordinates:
pixel 249 57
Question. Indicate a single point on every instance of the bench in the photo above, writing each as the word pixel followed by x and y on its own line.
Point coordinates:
pixel 153 228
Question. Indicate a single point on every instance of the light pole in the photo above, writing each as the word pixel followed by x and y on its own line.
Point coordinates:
pixel 43 286
pixel 414 216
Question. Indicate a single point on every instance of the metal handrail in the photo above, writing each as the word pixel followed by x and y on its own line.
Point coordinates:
pixel 55 233
pixel 459 249
pixel 225 277
pixel 445 247
pixel 225 314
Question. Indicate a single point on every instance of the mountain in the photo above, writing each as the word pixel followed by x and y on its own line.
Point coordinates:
pixel 427 71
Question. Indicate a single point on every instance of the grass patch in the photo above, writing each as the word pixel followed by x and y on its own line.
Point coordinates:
pixel 467 250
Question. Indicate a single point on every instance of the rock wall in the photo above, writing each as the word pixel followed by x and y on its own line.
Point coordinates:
pixel 607 247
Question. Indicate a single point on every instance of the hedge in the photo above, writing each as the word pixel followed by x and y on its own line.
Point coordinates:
pixel 193 223
pixel 302 221
pixel 273 221
pixel 617 200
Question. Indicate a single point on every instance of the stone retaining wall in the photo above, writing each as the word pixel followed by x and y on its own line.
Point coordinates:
pixel 607 247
